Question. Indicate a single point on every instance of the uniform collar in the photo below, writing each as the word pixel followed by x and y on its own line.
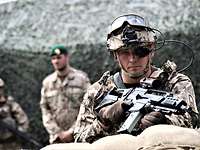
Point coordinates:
pixel 70 75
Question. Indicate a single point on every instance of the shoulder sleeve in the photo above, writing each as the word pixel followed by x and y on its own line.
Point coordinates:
pixel 183 89
pixel 87 128
pixel 19 114
pixel 181 86
pixel 86 115
pixel 47 118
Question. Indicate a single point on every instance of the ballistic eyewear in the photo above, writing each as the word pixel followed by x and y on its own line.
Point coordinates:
pixel 132 19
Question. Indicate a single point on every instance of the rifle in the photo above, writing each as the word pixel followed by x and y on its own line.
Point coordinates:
pixel 23 135
pixel 141 101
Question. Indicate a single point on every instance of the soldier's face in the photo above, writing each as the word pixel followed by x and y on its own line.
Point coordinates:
pixel 131 62
pixel 59 62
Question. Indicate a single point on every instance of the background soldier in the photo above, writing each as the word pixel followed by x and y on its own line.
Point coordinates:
pixel 12 114
pixel 132 43
pixel 61 95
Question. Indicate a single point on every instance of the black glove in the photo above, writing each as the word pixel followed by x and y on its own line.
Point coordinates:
pixel 152 118
pixel 114 113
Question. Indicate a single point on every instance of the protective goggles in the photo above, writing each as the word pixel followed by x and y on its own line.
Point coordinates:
pixel 131 19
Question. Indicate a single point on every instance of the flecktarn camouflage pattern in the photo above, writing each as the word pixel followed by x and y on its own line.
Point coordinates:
pixel 88 128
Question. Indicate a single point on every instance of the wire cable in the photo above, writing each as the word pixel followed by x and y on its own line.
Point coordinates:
pixel 190 48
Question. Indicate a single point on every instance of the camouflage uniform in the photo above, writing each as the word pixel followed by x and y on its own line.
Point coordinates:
pixel 88 128
pixel 60 101
pixel 12 114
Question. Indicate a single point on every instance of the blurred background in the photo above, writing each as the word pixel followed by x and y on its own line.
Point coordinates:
pixel 29 27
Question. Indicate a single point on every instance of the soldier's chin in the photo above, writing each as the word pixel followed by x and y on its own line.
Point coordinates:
pixel 60 68
pixel 136 74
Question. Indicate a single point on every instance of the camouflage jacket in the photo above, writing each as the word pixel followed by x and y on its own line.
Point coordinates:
pixel 88 128
pixel 60 100
pixel 12 114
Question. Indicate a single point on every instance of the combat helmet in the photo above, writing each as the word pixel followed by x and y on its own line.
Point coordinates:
pixel 130 30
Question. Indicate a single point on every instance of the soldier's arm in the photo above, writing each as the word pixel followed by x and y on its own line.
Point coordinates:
pixel 86 83
pixel 19 115
pixel 183 89
pixel 48 119
pixel 87 127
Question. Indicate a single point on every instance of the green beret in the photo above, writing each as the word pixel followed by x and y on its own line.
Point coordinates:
pixel 58 49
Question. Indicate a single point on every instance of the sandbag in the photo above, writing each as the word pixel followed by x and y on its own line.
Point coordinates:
pixel 69 146
pixel 169 147
pixel 157 137
pixel 116 142
pixel 169 134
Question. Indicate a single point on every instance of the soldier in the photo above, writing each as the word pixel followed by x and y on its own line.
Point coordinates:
pixel 132 43
pixel 12 114
pixel 61 95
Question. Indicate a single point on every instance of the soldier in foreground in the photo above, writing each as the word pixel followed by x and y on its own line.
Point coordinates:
pixel 132 43
pixel 13 115
pixel 61 95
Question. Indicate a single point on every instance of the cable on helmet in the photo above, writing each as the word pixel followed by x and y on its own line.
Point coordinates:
pixel 191 51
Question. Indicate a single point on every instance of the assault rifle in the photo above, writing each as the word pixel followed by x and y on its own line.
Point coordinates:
pixel 141 101
pixel 22 135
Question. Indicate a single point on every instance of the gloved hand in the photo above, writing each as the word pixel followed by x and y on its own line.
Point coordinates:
pixel 152 118
pixel 114 113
